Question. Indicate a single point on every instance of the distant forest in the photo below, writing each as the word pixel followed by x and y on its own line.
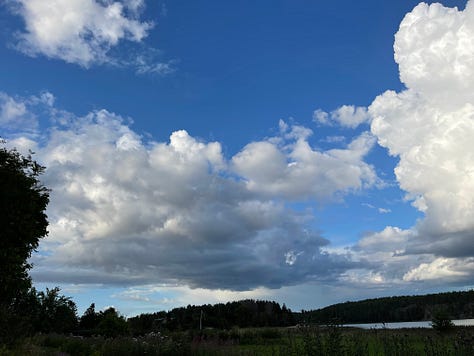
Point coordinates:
pixel 257 313
pixel 244 313
pixel 458 305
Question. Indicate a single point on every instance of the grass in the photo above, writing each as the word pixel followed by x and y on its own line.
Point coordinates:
pixel 332 340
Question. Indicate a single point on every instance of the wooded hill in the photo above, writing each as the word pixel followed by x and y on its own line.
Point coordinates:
pixel 244 313
pixel 258 313
pixel 458 305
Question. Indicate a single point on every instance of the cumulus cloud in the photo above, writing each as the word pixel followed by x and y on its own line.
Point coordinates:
pixel 127 211
pixel 442 270
pixel 21 114
pixel 433 49
pixel 392 240
pixel 430 127
pixel 385 258
pixel 84 31
pixel 346 116
pixel 14 115
pixel 289 167
pixel 428 134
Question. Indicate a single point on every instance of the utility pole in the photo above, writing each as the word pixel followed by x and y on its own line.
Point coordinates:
pixel 200 322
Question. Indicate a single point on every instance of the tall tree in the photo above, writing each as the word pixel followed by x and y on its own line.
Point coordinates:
pixel 23 221
pixel 89 320
pixel 112 324
pixel 57 313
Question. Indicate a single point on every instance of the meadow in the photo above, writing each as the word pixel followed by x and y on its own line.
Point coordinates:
pixel 329 340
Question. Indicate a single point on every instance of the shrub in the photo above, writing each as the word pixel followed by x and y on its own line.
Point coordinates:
pixel 441 321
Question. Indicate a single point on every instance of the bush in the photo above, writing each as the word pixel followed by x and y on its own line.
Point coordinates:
pixel 441 321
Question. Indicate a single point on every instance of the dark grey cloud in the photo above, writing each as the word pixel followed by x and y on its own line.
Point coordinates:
pixel 125 211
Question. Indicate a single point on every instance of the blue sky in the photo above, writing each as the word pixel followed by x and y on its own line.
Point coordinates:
pixel 307 152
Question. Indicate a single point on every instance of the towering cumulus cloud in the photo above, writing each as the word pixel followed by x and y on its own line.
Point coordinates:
pixel 430 127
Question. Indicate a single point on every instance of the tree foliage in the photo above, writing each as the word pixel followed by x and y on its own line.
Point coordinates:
pixel 459 305
pixel 56 312
pixel 23 221
pixel 89 320
pixel 244 313
pixel 108 323
pixel 38 312
pixel 441 321
pixel 111 323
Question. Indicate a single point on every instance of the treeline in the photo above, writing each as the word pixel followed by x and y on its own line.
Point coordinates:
pixel 245 313
pixel 34 312
pixel 458 305
pixel 50 312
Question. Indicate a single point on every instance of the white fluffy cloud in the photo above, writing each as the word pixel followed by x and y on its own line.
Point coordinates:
pixel 391 240
pixel 430 127
pixel 442 270
pixel 14 115
pixel 292 169
pixel 346 116
pixel 128 211
pixel 384 253
pixel 79 31
pixel 434 50
pixel 20 115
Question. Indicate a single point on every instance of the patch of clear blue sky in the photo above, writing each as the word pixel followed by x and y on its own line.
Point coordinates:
pixel 239 66
pixel 84 296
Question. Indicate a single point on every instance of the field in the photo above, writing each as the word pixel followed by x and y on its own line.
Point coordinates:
pixel 332 340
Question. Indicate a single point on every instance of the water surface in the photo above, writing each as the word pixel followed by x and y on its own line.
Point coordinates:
pixel 409 324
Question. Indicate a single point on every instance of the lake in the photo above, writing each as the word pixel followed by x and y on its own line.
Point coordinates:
pixel 410 324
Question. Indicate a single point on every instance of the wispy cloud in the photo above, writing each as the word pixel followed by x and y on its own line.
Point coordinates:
pixel 334 139
pixel 346 116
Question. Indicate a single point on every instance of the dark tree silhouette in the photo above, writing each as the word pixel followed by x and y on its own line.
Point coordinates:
pixel 23 200
pixel 244 313
pixel 89 321
pixel 23 222
pixel 57 313
pixel 459 305
pixel 112 324
pixel 441 321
